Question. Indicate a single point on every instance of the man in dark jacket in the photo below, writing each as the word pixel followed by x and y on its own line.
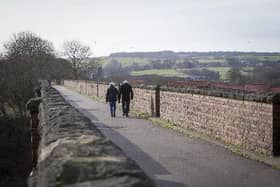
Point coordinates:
pixel 126 94
pixel 112 96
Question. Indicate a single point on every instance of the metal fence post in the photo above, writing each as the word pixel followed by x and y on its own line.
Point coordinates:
pixel 276 130
pixel 157 99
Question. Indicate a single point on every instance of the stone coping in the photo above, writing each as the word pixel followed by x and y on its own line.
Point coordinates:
pixel 264 97
pixel 73 152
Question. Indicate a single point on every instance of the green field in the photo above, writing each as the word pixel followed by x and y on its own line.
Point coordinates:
pixel 261 58
pixel 125 61
pixel 103 60
pixel 248 68
pixel 179 73
pixel 210 60
pixel 129 61
pixel 222 71
pixel 160 72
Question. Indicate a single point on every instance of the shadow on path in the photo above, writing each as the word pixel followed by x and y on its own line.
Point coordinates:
pixel 147 163
pixel 166 183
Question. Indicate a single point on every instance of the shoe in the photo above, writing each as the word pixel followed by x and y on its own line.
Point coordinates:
pixel 31 174
pixel 123 114
pixel 127 115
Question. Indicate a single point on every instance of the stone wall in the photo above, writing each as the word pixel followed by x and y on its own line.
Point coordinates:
pixel 89 88
pixel 243 118
pixel 144 101
pixel 244 123
pixel 73 152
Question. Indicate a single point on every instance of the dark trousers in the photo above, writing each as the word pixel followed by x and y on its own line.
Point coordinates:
pixel 125 106
pixel 113 108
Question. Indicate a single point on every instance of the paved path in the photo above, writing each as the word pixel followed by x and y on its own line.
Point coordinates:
pixel 170 158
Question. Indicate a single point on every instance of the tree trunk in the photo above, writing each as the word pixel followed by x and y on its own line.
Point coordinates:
pixel 75 74
pixel 75 69
pixel 3 110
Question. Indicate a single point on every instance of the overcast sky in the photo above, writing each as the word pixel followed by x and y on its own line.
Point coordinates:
pixel 148 25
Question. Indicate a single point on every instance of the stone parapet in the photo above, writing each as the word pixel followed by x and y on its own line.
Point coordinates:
pixel 73 152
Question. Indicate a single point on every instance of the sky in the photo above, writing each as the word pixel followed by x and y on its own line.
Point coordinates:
pixel 109 26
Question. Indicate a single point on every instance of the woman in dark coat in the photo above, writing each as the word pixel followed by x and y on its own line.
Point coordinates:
pixel 112 96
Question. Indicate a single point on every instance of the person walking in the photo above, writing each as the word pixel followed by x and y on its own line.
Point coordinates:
pixel 112 96
pixel 126 94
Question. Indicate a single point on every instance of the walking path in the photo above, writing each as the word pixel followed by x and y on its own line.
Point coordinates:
pixel 171 158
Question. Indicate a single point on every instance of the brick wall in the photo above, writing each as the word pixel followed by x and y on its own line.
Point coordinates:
pixel 245 123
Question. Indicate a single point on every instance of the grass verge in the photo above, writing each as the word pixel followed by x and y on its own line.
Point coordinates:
pixel 274 162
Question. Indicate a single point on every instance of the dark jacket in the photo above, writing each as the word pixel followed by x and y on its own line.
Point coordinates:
pixel 112 94
pixel 126 92
pixel 33 105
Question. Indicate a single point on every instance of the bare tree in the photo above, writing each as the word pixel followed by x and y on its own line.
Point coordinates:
pixel 77 53
pixel 2 88
pixel 28 45
pixel 27 58
pixel 90 67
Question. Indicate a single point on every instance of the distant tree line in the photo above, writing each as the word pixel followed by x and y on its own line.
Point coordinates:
pixel 176 55
pixel 262 73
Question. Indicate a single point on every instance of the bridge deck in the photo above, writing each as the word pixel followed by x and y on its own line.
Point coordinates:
pixel 170 158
